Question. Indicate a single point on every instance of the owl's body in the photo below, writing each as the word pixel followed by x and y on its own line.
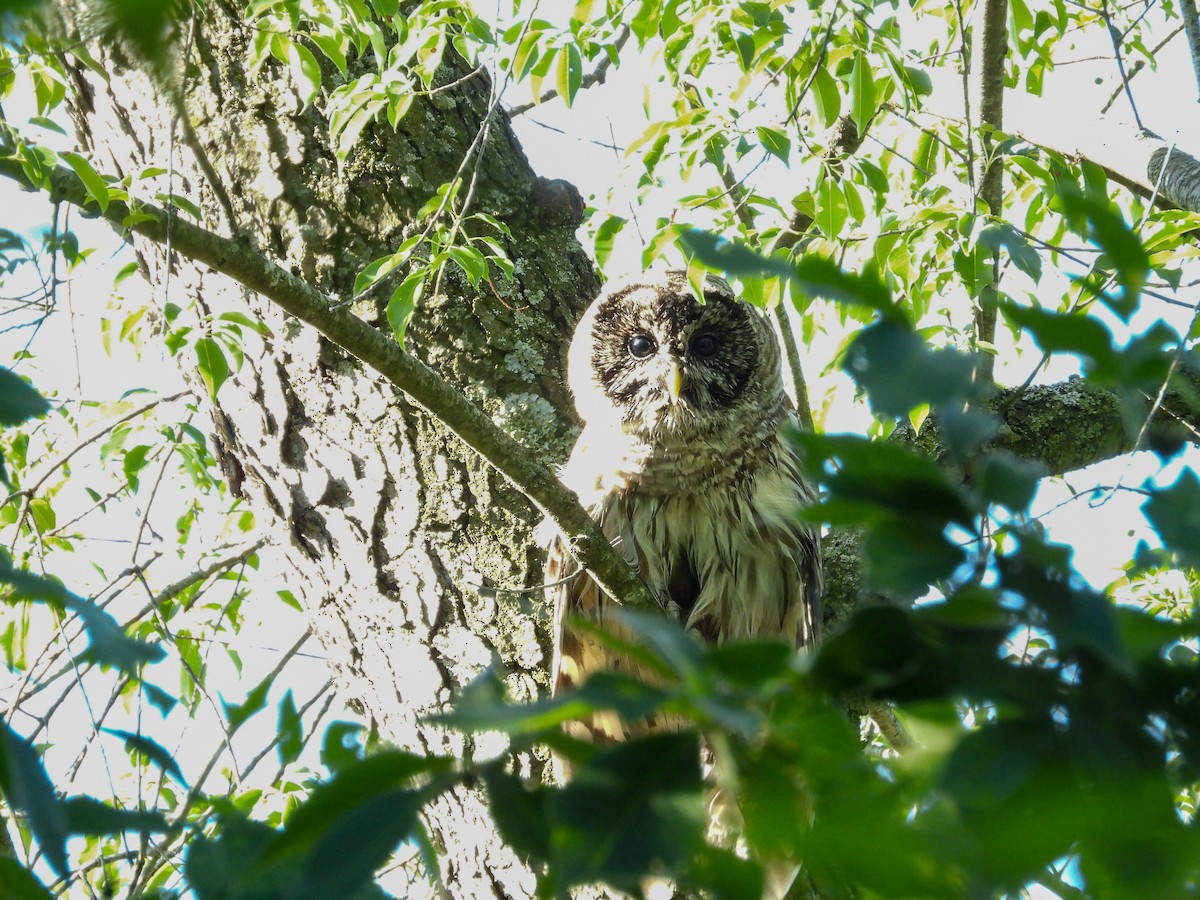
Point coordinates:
pixel 684 463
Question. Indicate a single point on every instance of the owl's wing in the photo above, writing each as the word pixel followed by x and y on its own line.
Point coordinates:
pixel 577 652
pixel 791 543
pixel 806 541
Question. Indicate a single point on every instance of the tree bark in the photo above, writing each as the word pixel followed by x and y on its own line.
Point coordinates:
pixel 398 537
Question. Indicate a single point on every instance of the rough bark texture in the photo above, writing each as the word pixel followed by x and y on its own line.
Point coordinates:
pixel 395 533
pixel 988 60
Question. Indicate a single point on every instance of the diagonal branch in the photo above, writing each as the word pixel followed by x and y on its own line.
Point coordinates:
pixel 381 353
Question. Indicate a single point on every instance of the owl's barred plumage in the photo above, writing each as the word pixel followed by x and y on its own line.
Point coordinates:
pixel 684 464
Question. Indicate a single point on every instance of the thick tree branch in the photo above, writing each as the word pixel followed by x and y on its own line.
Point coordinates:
pixel 989 80
pixel 1191 23
pixel 1065 426
pixel 381 353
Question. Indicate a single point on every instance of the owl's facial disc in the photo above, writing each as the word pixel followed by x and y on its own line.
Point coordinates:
pixel 663 359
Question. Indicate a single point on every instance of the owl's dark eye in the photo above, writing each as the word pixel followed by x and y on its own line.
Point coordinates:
pixel 641 345
pixel 705 345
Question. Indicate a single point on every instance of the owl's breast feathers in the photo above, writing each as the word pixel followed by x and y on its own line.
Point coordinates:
pixel 713 532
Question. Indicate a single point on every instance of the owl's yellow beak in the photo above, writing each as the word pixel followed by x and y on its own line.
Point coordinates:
pixel 674 381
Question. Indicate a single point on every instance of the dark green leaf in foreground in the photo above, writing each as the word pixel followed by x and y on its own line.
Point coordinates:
pixel 1175 514
pixel 87 815
pixel 345 858
pixel 635 808
pixel 731 257
pixel 108 643
pixel 18 883
pixel 345 795
pixel 18 401
pixel 521 813
pixel 900 371
pixel 156 753
pixel 483 706
pixel 27 789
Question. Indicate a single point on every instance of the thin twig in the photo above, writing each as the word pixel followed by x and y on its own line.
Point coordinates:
pixel 593 78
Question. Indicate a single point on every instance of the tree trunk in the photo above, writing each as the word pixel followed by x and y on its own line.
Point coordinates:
pixel 397 535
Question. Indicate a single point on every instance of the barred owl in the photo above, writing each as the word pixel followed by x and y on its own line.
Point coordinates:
pixel 683 463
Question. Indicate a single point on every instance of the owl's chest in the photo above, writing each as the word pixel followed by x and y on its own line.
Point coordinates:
pixel 714 558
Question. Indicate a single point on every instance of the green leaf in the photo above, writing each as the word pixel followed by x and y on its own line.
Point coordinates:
pixel 570 73
pixel 1009 480
pixel 1074 333
pixel 667 639
pixel 27 789
pixel 899 371
pixel 133 463
pixel 992 763
pixel 159 699
pixel 87 815
pixel 1027 259
pixel 290 730
pixel 776 142
pixel 241 318
pixel 606 237
pixel 1174 512
pixel 908 558
pixel 723 875
pixel 482 705
pixel 352 789
pixel 1095 218
pixel 342 745
pixel 96 187
pixel 817 276
pixel 213 366
pixel 331 46
pixel 40 121
pixel 872 480
pixel 306 71
pixel 471 261
pixel 632 810
pixel 18 883
pixel 289 599
pixel 255 702
pixel 862 92
pixel 521 813
pixel 108 644
pixel 358 843
pixel 18 401
pixel 404 302
pixel 731 257
pixel 156 753
pixel 826 97
pixel 919 81
pixel 831 207
pixel 773 804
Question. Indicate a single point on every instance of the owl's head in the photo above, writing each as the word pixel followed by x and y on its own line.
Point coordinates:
pixel 649 356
